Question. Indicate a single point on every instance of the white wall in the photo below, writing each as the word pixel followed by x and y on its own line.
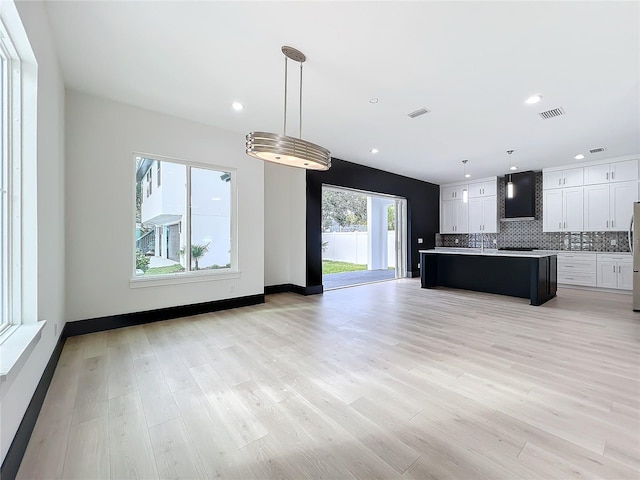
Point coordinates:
pixel 16 393
pixel 285 203
pixel 101 137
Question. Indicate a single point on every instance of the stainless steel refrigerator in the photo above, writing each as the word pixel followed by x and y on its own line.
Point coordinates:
pixel 634 242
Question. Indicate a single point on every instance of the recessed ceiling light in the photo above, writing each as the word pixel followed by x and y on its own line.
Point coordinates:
pixel 237 106
pixel 467 175
pixel 373 100
pixel 513 167
pixel 374 150
pixel 579 156
pixel 533 99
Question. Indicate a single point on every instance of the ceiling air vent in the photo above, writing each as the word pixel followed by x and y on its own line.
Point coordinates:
pixel 597 150
pixel 417 113
pixel 554 112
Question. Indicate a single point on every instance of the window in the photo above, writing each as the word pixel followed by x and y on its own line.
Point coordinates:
pixel 16 183
pixel 176 237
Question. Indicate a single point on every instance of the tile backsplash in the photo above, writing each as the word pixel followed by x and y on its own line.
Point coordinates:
pixel 529 234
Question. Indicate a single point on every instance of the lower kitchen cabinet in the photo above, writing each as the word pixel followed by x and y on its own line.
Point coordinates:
pixel 615 271
pixel 577 269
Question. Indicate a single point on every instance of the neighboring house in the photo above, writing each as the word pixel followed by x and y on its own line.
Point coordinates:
pixel 161 187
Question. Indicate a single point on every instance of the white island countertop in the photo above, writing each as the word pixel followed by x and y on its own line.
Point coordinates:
pixel 488 252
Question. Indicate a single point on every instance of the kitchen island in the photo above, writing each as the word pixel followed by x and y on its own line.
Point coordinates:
pixel 531 275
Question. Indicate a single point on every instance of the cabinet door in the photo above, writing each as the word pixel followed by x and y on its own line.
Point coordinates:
pixel 447 216
pixel 475 190
pixel 573 209
pixel 490 188
pixel 462 217
pixel 573 177
pixel 596 208
pixel 625 275
pixel 552 214
pixel 621 198
pixel 596 174
pixel 451 193
pixel 624 171
pixel 607 275
pixel 490 214
pixel 552 180
pixel 475 215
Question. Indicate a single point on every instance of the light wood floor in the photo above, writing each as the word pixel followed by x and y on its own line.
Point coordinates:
pixel 380 381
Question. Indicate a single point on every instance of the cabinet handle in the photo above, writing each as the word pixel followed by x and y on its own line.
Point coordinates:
pixel 614 269
pixel 607 223
pixel 613 175
pixel 560 181
pixel 612 225
pixel 565 224
pixel 619 268
pixel 607 176
pixel 559 224
pixel 564 181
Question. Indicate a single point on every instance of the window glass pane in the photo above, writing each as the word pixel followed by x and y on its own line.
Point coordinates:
pixel 160 219
pixel 4 217
pixel 210 219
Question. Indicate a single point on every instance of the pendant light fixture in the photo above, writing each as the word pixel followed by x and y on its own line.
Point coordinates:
pixel 284 149
pixel 510 189
pixel 465 191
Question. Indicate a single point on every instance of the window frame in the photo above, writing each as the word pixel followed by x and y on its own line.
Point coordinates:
pixel 188 276
pixel 11 187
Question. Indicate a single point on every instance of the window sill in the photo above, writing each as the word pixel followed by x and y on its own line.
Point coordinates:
pixel 177 278
pixel 17 347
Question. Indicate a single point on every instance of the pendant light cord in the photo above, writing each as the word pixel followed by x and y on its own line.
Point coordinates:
pixel 300 126
pixel 284 129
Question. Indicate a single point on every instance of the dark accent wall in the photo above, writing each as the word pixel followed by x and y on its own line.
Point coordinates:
pixel 422 209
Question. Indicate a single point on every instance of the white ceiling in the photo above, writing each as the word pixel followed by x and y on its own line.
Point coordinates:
pixel 472 64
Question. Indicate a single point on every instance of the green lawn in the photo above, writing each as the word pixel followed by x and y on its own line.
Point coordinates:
pixel 164 270
pixel 329 266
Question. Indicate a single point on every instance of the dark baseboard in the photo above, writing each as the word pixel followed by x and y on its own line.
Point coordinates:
pixel 414 274
pixel 100 324
pixel 314 290
pixel 18 447
pixel 12 461
pixel 282 288
pixel 290 287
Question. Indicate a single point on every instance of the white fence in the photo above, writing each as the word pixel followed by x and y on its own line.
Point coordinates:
pixel 352 247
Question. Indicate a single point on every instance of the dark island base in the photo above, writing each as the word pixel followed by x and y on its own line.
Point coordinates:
pixel 523 277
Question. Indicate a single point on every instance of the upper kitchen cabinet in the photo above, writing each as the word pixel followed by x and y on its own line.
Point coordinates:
pixel 484 188
pixel 609 207
pixel 572 177
pixel 611 172
pixel 453 192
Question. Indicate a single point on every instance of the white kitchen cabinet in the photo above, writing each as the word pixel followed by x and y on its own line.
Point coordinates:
pixel 453 192
pixel 483 215
pixel 609 206
pixel 621 198
pixel 615 271
pixel 577 268
pixel 611 172
pixel 485 188
pixel 454 216
pixel 572 177
pixel 563 210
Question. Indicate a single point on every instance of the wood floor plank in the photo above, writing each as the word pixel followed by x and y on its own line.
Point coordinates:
pixel 88 454
pixel 129 444
pixel 175 453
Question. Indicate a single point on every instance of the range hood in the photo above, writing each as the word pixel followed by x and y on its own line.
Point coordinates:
pixel 523 204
